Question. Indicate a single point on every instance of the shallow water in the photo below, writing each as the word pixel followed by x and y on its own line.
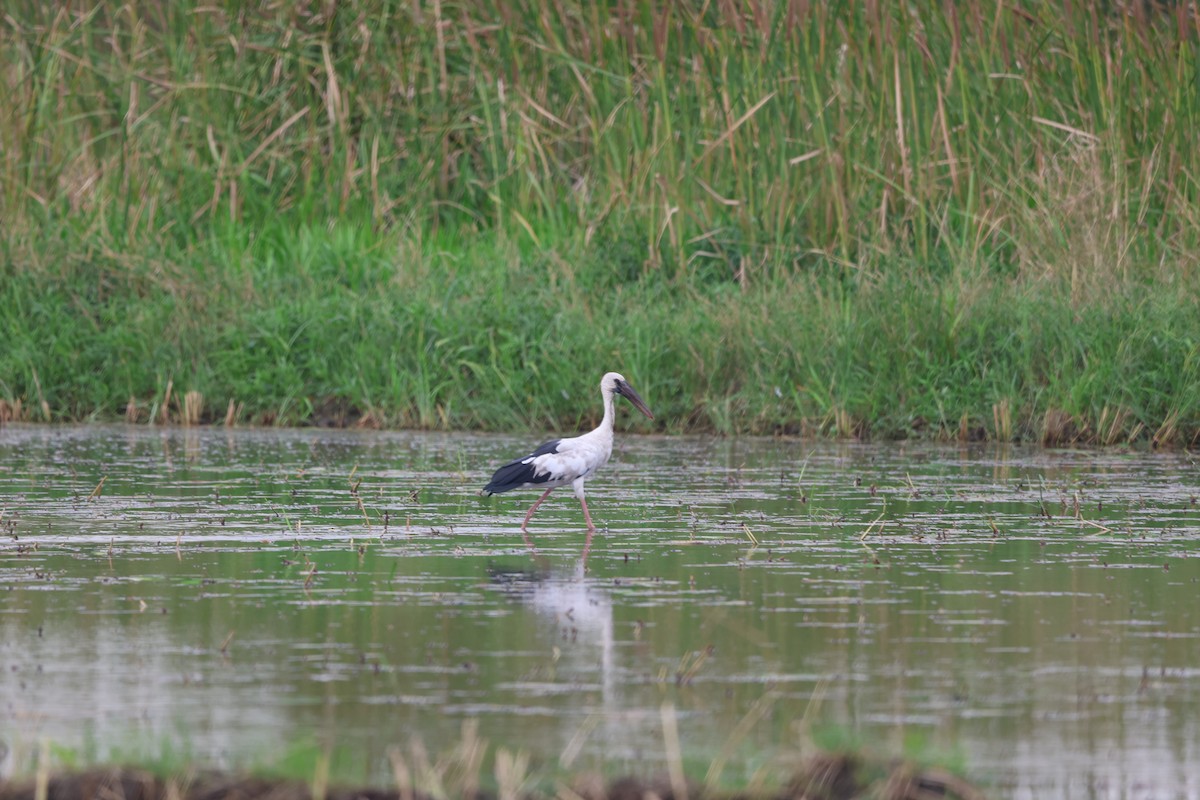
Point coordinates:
pixel 236 596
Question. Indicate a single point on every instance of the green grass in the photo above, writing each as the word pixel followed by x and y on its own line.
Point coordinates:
pixel 956 220
pixel 473 766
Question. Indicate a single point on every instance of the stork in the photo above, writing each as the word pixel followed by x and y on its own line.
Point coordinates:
pixel 561 461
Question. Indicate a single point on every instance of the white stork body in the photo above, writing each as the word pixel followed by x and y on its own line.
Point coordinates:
pixel 562 461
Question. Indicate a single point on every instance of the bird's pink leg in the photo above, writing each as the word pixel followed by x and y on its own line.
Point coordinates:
pixel 588 517
pixel 587 543
pixel 533 508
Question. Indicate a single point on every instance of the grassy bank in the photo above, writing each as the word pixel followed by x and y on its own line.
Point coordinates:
pixel 962 220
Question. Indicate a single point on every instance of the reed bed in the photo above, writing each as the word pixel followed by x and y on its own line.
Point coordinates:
pixel 955 219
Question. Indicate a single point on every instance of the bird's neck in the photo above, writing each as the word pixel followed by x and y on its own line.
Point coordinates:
pixel 606 424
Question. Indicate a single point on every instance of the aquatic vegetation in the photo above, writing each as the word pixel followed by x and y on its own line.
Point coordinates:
pixel 968 220
pixel 829 777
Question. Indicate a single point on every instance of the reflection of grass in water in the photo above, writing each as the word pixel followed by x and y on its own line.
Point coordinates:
pixel 161 754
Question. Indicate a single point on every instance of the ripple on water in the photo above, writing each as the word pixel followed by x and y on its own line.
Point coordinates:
pixel 1032 610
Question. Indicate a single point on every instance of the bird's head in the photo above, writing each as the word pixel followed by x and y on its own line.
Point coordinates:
pixel 615 383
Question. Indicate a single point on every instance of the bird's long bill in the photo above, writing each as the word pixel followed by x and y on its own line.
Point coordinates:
pixel 635 398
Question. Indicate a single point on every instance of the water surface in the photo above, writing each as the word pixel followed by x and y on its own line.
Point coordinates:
pixel 237 595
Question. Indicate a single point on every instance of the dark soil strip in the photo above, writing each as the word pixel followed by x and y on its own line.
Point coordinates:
pixel 826 777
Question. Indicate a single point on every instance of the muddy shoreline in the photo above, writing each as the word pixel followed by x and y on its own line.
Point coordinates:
pixel 824 777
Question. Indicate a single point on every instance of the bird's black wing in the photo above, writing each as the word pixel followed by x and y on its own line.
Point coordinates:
pixel 520 472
